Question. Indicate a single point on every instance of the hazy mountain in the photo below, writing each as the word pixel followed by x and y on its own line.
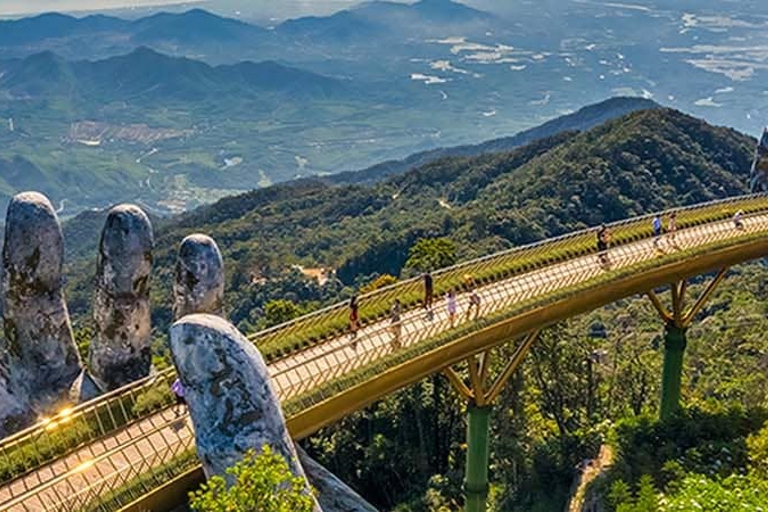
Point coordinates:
pixel 584 119
pixel 55 26
pixel 148 75
pixel 389 20
pixel 371 84
pixel 193 27
pixel 220 39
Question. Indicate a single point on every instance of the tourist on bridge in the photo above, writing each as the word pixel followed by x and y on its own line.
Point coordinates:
pixel 178 390
pixel 354 319
pixel 474 302
pixel 738 220
pixel 394 318
pixel 451 302
pixel 428 293
pixel 672 228
pixel 603 241
pixel 658 230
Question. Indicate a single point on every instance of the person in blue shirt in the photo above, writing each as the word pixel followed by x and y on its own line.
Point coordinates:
pixel 657 231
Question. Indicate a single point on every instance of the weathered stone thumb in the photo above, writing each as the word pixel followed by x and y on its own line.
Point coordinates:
pixel 333 494
pixel 38 349
pixel 229 393
pixel 199 280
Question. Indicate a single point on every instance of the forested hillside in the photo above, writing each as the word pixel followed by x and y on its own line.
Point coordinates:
pixel 641 162
pixel 590 381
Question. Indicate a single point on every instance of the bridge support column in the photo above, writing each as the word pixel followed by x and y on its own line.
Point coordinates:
pixel 676 325
pixel 480 394
pixel 674 349
pixel 476 477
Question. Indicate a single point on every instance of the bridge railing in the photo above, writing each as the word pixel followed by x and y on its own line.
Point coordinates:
pixel 389 345
pixel 74 429
pixel 301 333
pixel 162 449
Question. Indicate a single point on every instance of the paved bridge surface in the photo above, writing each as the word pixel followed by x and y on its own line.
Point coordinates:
pixel 138 457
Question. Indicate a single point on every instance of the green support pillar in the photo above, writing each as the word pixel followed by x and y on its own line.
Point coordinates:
pixel 476 477
pixel 674 348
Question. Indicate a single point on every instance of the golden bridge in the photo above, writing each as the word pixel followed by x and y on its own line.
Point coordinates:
pixel 127 450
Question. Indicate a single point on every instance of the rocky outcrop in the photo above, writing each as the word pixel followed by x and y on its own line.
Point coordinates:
pixel 229 393
pixel 333 494
pixel 758 176
pixel 39 353
pixel 14 414
pixel 199 281
pixel 120 350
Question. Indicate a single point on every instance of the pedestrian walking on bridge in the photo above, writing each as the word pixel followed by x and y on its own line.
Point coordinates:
pixel 394 319
pixel 603 242
pixel 672 229
pixel 451 304
pixel 474 302
pixel 658 230
pixel 354 319
pixel 428 294
pixel 738 220
pixel 178 390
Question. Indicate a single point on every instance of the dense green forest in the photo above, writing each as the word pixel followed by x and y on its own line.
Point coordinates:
pixel 588 382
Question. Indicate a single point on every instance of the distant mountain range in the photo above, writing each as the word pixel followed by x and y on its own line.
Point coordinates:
pixel 145 74
pixel 219 39
pixel 584 119
pixel 192 26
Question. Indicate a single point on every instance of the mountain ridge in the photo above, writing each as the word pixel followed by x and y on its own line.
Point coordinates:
pixel 145 70
pixel 585 118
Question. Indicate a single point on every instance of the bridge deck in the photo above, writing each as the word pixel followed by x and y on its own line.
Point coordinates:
pixel 74 482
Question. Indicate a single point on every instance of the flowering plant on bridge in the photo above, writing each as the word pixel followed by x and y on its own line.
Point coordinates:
pixel 262 483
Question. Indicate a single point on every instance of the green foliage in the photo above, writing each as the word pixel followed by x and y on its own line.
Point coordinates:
pixel 280 310
pixel 152 400
pixel 736 493
pixel 83 336
pixel 620 493
pixel 757 446
pixel 431 254
pixel 380 282
pixel 646 499
pixel 263 482
pixel 701 442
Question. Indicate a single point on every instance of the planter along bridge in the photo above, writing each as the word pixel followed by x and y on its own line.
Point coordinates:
pixel 127 449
